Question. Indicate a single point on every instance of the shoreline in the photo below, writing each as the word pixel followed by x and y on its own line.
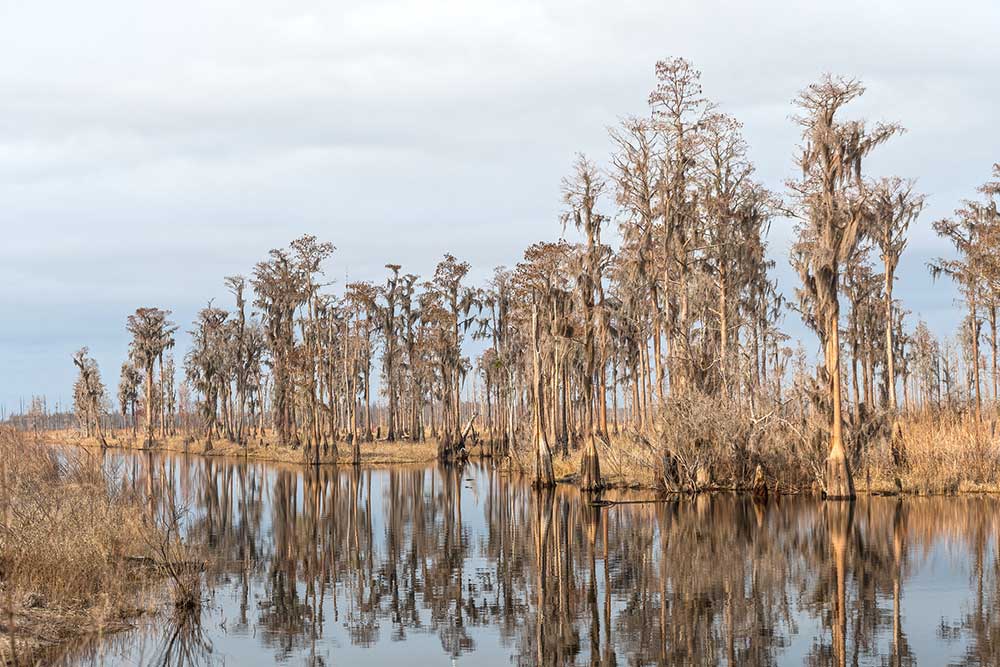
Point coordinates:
pixel 372 453
pixel 43 625
pixel 80 558
pixel 42 632
pixel 382 453
pixel 376 453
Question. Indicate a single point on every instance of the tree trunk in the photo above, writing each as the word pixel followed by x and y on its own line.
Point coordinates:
pixel 603 400
pixel 723 337
pixel 854 378
pixel 657 355
pixel 149 405
pixel 993 345
pixel 839 484
pixel 889 350
pixel 590 465
pixel 544 476
pixel 975 359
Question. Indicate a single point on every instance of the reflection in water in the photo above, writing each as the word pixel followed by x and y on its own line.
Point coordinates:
pixel 434 565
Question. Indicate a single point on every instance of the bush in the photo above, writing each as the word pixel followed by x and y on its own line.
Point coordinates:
pixel 76 545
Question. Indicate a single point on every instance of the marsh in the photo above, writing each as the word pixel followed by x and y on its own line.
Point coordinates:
pixel 465 564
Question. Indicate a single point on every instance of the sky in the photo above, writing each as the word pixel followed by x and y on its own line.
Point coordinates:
pixel 147 150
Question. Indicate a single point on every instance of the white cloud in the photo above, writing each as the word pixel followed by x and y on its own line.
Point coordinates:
pixel 147 150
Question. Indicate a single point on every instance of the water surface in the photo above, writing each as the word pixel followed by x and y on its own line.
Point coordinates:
pixel 432 565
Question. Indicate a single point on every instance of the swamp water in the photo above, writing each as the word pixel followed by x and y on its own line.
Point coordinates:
pixel 429 565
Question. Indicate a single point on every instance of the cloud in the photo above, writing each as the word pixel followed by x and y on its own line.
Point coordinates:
pixel 147 150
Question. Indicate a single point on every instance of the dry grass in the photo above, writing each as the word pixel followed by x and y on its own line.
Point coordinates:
pixel 379 452
pixel 943 454
pixel 627 462
pixel 75 547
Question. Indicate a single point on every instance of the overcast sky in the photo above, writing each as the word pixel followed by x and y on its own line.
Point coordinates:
pixel 149 149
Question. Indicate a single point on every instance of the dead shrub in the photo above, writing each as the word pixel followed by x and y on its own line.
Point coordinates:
pixel 74 540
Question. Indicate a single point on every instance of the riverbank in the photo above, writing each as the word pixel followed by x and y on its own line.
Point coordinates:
pixel 80 553
pixel 626 466
pixel 379 452
pixel 941 453
pixel 937 453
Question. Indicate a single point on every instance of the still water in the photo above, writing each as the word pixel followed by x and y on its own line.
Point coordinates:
pixel 430 565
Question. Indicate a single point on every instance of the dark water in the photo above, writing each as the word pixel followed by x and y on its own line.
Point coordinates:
pixel 438 566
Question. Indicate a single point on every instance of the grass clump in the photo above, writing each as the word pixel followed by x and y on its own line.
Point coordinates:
pixel 78 547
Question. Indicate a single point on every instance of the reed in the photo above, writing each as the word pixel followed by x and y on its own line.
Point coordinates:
pixel 78 547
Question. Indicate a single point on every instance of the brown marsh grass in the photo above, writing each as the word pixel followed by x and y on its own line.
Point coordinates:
pixel 944 452
pixel 379 452
pixel 79 551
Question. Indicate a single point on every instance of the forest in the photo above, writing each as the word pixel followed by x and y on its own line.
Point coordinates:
pixel 655 358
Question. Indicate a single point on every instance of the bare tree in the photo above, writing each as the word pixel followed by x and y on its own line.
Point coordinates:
pixel 679 112
pixel 206 364
pixel 831 205
pixel 991 215
pixel 152 333
pixel 895 207
pixel 543 454
pixel 637 173
pixel 363 307
pixel 88 394
pixel 128 392
pixel 580 194
pixel 448 305
pixel 969 231
pixel 390 353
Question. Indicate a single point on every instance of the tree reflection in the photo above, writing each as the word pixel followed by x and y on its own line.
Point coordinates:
pixel 306 560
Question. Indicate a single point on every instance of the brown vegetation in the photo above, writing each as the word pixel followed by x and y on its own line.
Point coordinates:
pixel 381 452
pixel 80 552
pixel 665 351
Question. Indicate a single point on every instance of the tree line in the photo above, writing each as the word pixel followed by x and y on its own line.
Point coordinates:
pixel 667 340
